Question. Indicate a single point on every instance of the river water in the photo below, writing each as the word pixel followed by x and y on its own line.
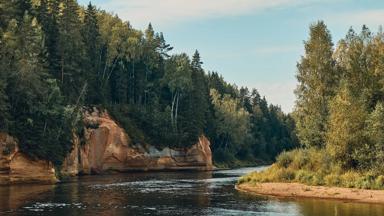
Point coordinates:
pixel 164 193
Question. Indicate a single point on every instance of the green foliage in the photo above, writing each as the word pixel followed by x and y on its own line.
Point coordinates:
pixel 37 115
pixel 246 127
pixel 232 120
pixel 56 57
pixel 71 51
pixel 346 129
pixel 374 154
pixel 313 167
pixel 318 80
pixel 339 114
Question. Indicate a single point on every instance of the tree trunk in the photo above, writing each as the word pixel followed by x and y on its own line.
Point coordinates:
pixel 177 108
pixel 172 108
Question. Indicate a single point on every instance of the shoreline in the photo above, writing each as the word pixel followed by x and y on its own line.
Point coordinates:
pixel 297 190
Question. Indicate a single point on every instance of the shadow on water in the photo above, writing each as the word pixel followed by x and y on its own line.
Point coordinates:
pixel 163 193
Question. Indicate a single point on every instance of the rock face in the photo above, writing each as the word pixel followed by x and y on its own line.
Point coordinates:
pixel 108 148
pixel 17 167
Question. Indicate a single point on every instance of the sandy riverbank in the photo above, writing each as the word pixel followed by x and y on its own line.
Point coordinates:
pixel 297 190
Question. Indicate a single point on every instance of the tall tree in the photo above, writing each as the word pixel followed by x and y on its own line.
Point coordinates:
pixel 318 81
pixel 346 136
pixel 178 79
pixel 93 51
pixel 71 48
pixel 48 12
pixel 199 100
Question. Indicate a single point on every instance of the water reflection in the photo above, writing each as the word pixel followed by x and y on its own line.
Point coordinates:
pixel 163 193
pixel 14 197
pixel 338 208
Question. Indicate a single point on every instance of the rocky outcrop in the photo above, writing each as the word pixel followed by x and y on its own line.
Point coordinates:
pixel 16 167
pixel 108 148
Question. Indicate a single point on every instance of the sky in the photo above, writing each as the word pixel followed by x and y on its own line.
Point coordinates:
pixel 253 43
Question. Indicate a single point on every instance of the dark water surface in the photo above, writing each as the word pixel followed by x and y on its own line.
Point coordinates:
pixel 164 193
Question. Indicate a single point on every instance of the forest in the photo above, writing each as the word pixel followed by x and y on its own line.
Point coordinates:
pixel 339 113
pixel 57 57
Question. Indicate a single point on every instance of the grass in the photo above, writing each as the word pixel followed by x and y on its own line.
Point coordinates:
pixel 314 167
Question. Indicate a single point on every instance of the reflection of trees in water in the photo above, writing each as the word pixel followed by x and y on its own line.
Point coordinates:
pixel 316 207
pixel 166 192
pixel 16 196
pixel 203 198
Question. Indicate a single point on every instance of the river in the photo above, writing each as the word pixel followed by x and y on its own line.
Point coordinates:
pixel 164 193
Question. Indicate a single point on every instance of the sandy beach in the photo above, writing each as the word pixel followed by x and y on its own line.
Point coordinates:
pixel 297 190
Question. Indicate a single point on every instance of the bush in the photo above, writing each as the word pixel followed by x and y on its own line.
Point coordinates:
pixel 304 177
pixel 285 175
pixel 349 179
pixel 318 180
pixel 313 167
pixel 300 159
pixel 332 180
pixel 379 182
pixel 284 159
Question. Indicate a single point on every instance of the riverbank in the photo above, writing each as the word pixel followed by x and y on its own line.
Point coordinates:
pixel 297 190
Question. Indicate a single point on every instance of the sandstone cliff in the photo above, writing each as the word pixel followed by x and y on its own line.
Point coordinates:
pixel 17 167
pixel 108 148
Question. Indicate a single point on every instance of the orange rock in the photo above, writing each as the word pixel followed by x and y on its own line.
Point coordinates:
pixel 16 167
pixel 109 148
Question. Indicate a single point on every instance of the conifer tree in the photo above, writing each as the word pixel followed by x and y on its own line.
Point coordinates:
pixel 71 48
pixel 48 12
pixel 199 96
pixel 93 52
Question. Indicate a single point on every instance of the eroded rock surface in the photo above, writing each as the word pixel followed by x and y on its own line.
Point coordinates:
pixel 108 148
pixel 16 167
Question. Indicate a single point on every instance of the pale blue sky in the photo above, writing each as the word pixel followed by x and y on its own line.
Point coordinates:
pixel 254 43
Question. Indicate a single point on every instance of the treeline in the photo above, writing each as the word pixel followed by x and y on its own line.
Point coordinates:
pixel 56 57
pixel 339 114
pixel 340 97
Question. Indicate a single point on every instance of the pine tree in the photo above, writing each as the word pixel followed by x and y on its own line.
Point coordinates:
pixel 318 81
pixel 198 101
pixel 93 51
pixel 48 12
pixel 71 48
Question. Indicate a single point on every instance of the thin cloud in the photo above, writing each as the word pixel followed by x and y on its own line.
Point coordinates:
pixel 169 12
pixel 371 18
